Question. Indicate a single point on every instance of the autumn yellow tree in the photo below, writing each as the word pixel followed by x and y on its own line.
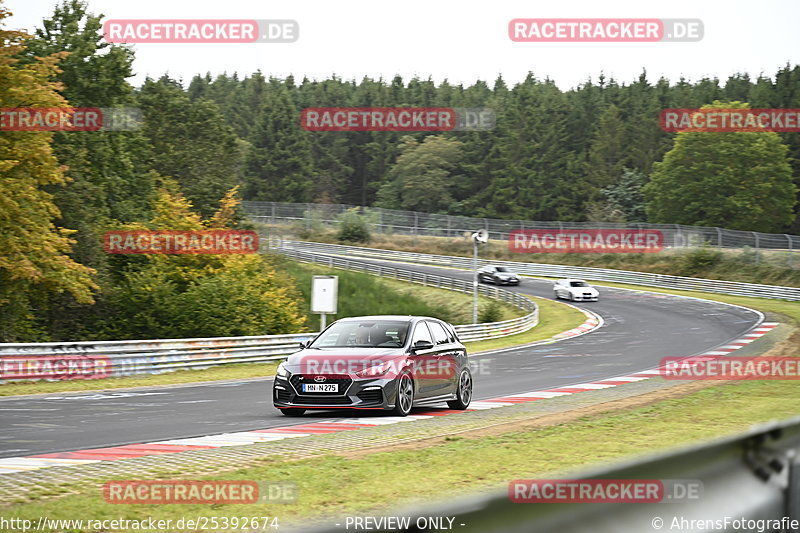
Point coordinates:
pixel 201 295
pixel 34 258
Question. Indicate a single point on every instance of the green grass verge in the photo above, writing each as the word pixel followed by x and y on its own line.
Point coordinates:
pixel 463 465
pixel 364 294
pixel 554 317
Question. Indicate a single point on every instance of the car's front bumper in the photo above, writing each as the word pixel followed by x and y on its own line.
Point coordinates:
pixel 359 393
pixel 581 298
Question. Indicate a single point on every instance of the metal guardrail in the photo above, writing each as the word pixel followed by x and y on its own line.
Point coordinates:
pixel 754 476
pixel 563 271
pixel 396 222
pixel 467 333
pixel 130 357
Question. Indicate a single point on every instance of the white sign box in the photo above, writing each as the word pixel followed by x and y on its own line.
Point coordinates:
pixel 324 294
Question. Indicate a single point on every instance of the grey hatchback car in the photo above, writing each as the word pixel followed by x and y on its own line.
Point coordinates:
pixel 382 362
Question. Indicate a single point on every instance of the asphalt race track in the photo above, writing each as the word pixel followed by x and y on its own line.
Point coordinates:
pixel 640 328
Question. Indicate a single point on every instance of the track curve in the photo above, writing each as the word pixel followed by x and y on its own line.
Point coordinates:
pixel 640 328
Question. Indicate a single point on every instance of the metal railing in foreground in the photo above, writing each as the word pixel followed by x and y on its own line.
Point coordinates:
pixel 61 360
pixel 752 478
pixel 561 271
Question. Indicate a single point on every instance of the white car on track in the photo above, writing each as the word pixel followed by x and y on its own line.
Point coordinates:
pixel 576 290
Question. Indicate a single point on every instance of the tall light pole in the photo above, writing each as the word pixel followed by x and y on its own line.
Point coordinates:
pixel 479 237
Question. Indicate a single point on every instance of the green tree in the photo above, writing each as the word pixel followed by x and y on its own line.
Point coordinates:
pixel 422 177
pixel 737 180
pixel 279 166
pixel 107 180
pixel 536 177
pixel 200 295
pixel 623 201
pixel 190 142
pixel 607 152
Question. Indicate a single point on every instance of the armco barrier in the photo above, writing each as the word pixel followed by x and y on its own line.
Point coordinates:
pixel 156 356
pixel 559 271
pixel 752 478
pixel 471 332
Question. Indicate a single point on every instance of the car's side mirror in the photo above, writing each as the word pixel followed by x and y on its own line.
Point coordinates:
pixel 304 344
pixel 421 345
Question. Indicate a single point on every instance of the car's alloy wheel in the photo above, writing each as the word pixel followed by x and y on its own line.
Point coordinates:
pixel 293 412
pixel 463 392
pixel 405 395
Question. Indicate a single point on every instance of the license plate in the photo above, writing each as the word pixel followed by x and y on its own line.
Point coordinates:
pixel 320 387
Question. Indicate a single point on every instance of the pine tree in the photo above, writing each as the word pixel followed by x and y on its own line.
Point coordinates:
pixel 279 166
pixel 190 142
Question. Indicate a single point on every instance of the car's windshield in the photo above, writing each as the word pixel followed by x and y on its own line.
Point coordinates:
pixel 502 269
pixel 363 334
pixel 578 284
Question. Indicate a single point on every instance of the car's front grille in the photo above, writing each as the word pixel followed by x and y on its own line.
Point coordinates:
pixel 322 400
pixel 340 379
pixel 371 396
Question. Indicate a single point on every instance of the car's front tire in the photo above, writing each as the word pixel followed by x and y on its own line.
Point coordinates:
pixel 404 396
pixel 293 412
pixel 463 391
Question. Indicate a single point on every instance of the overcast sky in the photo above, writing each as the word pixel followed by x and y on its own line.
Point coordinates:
pixel 458 40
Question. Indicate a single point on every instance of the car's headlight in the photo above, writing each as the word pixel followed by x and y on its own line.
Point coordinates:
pixel 374 371
pixel 281 371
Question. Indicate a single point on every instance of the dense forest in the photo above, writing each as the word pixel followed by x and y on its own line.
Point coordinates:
pixel 593 152
pixel 581 154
